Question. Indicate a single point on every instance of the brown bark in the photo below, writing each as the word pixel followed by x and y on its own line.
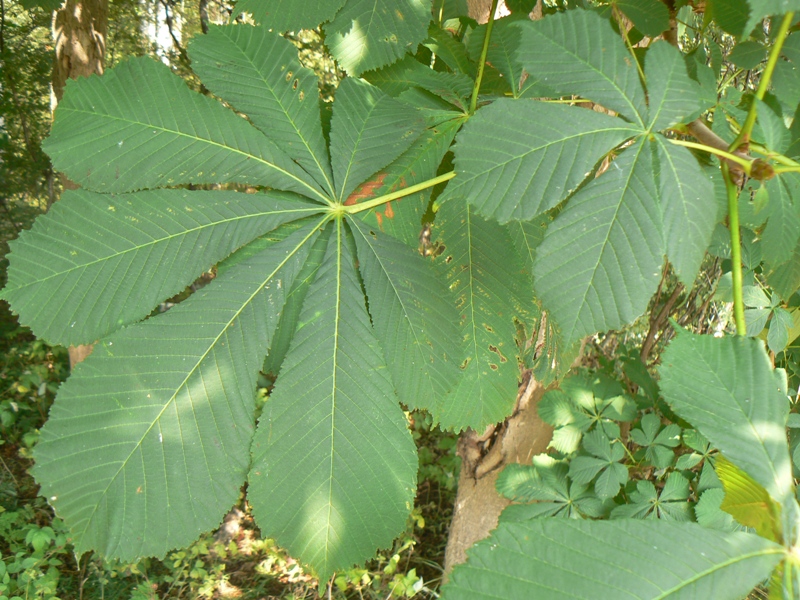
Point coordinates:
pixel 79 33
pixel 478 505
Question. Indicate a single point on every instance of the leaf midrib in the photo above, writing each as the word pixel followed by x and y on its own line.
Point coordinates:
pixel 197 364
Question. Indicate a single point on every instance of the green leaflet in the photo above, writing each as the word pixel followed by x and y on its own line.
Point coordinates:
pixel 651 17
pixel 492 288
pixel 673 95
pixel 577 52
pixel 260 74
pixel 625 560
pixel 403 218
pixel 413 316
pixel 368 131
pixel 688 209
pixel 289 15
pixel 782 232
pixel 148 442
pixel 517 159
pixel 764 8
pixel 96 262
pixel 608 280
pixel 108 137
pixel 727 388
pixel 502 51
pixel 316 441
pixel 368 34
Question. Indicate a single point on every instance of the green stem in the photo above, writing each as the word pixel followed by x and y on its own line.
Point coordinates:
pixel 473 102
pixel 742 162
pixel 766 76
pixel 786 169
pixel 736 250
pixel 357 208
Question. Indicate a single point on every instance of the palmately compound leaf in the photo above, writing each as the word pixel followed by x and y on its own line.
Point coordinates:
pixel 624 559
pixel 688 208
pixel 368 131
pixel 368 34
pixel 578 52
pixel 125 253
pixel 331 424
pixel 289 15
pixel 492 288
pixel 108 137
pixel 413 316
pixel 259 74
pixel 607 280
pixel 673 95
pixel 516 158
pixel 727 388
pixel 149 442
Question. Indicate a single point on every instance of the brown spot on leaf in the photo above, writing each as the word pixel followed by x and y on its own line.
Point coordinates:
pixel 366 190
pixel 389 212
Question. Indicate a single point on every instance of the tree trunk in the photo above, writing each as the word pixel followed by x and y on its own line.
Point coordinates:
pixel 79 33
pixel 516 440
pixel 483 457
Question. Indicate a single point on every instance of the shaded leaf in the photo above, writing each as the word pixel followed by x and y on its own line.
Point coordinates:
pixel 259 73
pixel 616 559
pixel 727 388
pixel 413 316
pixel 491 287
pixel 316 436
pixel 578 52
pixel 148 442
pixel 127 253
pixel 651 17
pixel 607 282
pixel 107 137
pixel 673 95
pixel 517 159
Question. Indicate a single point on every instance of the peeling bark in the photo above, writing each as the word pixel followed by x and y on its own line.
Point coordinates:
pixel 483 457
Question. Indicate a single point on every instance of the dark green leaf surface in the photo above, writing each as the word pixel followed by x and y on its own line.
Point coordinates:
pixel 651 17
pixel 148 442
pixel 516 158
pixel 748 55
pixel 368 34
pixel 673 95
pixel 491 287
pixel 608 281
pixel 413 316
pixel 368 131
pixel 502 52
pixel 727 388
pixel 624 560
pixel 317 439
pixel 259 74
pixel 783 226
pixel 139 126
pixel 785 279
pixel 97 262
pixel 289 15
pixel 688 208
pixel 577 52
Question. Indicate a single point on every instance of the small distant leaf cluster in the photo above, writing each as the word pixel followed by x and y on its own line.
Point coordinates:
pixel 655 469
